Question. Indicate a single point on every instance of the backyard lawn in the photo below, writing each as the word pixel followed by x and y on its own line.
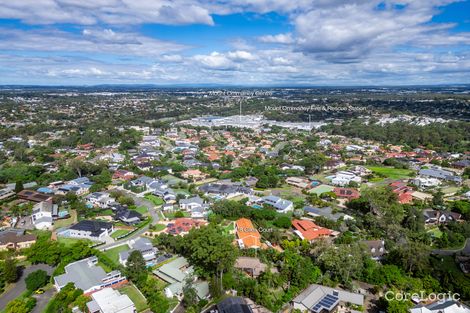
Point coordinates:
pixel 113 253
pixel 390 172
pixel 155 200
pixel 119 232
pixel 136 297
pixel 141 209
pixel 70 241
pixel 66 221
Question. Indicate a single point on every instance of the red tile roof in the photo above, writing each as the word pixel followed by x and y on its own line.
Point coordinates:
pixel 309 230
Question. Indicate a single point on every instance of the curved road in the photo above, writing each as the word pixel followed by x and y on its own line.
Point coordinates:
pixel 20 286
pixel 465 250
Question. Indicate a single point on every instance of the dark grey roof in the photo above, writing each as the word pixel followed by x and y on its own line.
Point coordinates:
pixel 233 305
pixel 95 227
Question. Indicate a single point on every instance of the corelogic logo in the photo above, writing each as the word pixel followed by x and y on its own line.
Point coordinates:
pixel 422 296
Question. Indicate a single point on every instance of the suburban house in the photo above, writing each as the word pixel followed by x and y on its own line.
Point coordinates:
pixel 346 193
pixel 195 205
pixel 442 306
pixel 281 205
pixel 108 300
pixel 6 193
pixel 439 173
pixel 425 182
pixel 343 178
pixel 175 273
pixel 87 275
pixel 163 191
pixel 183 225
pixel 247 235
pixel 308 230
pixel 434 217
pixel 14 239
pixel 99 199
pixel 32 196
pixel 90 229
pixel 123 175
pixel 327 212
pixel 322 299
pixel 403 192
pixel 376 248
pixel 194 175
pixel 129 217
pixel 225 190
pixel 43 214
pixel 233 305
pixel 299 182
pixel 252 266
pixel 144 245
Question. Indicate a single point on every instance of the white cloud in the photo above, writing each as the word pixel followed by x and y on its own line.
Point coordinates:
pixel 90 12
pixel 279 38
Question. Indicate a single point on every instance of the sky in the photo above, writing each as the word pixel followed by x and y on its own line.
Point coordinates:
pixel 235 42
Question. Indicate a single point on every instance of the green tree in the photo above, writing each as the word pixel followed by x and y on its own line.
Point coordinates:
pixel 211 250
pixel 136 269
pixel 21 305
pixel 19 186
pixel 10 271
pixel 36 280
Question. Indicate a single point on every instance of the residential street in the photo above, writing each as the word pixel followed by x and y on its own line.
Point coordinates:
pixel 20 285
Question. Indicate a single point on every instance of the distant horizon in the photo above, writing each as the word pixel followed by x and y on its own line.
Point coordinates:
pixel 195 85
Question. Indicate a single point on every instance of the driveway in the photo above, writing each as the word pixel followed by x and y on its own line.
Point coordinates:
pixel 20 286
pixel 43 299
pixel 141 201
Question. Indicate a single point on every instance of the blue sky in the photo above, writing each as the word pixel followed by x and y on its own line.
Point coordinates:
pixel 237 42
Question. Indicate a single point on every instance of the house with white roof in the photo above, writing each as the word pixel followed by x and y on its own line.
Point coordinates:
pixel 109 300
pixel 281 205
pixel 42 216
pixel 343 178
pixel 175 274
pixel 442 306
pixel 87 275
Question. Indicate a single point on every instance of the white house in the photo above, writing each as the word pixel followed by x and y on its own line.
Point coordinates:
pixel 42 216
pixel 281 205
pixel 108 300
pixel 343 178
pixel 426 182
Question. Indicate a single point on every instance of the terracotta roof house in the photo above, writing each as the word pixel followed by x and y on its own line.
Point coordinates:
pixel 403 192
pixel 183 225
pixel 346 193
pixel 310 231
pixel 248 236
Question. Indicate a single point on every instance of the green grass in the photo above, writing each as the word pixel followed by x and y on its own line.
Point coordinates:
pixel 172 215
pixel 119 232
pixel 141 209
pixel 158 227
pixel 67 221
pixel 154 199
pixel 71 241
pixel 136 297
pixel 390 172
pixel 113 253
pixel 106 212
pixel 435 232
